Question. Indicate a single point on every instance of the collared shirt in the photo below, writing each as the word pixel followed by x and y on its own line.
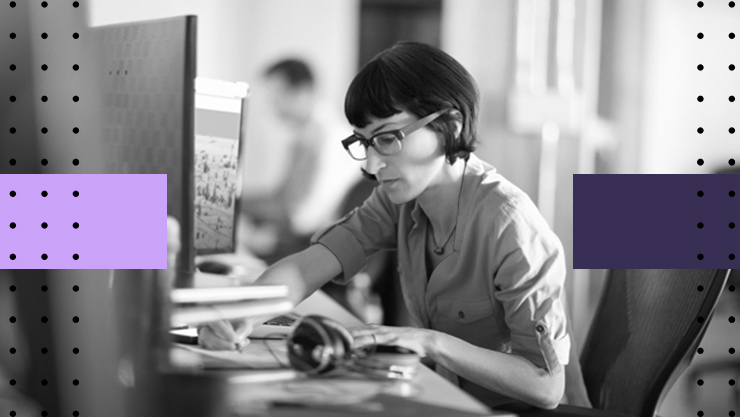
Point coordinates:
pixel 499 288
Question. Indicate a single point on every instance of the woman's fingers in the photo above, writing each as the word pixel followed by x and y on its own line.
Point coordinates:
pixel 208 339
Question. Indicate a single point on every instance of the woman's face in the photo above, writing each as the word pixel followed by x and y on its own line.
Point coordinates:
pixel 407 174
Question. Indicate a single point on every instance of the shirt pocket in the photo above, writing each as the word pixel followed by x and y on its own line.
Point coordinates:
pixel 471 320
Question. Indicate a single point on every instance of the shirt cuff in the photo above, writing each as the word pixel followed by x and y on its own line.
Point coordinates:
pixel 541 349
pixel 346 248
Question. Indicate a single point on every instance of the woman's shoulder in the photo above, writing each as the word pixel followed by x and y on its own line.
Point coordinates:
pixel 491 190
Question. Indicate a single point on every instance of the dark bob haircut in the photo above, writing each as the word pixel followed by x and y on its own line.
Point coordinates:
pixel 420 79
pixel 295 71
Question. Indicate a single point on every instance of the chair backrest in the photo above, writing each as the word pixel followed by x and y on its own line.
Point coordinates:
pixel 644 334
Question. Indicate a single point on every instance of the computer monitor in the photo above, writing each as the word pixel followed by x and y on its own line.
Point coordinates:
pixel 149 71
pixel 219 133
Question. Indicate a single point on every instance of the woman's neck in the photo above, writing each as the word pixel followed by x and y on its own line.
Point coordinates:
pixel 440 200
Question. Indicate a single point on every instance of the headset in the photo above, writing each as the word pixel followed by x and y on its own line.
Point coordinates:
pixel 319 345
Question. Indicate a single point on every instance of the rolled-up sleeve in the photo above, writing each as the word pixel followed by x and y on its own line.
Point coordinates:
pixel 366 230
pixel 529 284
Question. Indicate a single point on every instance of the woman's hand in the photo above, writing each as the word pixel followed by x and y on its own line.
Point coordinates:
pixel 418 340
pixel 225 334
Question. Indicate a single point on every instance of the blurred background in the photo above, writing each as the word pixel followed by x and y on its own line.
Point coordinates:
pixel 568 87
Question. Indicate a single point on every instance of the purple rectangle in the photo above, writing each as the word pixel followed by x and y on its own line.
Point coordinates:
pixel 122 221
pixel 652 221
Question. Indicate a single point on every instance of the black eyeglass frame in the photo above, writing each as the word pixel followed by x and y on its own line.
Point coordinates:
pixel 400 134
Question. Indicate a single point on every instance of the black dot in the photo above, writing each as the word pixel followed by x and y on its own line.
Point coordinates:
pixel 12 319
pixel 44 99
pixel 732 35
pixel 12 35
pixel 76 35
pixel 44 288
pixel 12 4
pixel 44 382
pixel 732 67
pixel 700 4
pixel 44 225
pixel 75 351
pixel 44 67
pixel 12 225
pixel 76 4
pixel 700 193
pixel 75 256
pixel 700 319
pixel 44 351
pixel 44 130
pixel 75 288
pixel 731 162
pixel 700 98
pixel 12 130
pixel 700 382
pixel 44 414
pixel 75 225
pixel 700 162
pixel 44 193
pixel 12 414
pixel 76 131
pixel 75 162
pixel 12 67
pixel 12 257
pixel 12 99
pixel 44 256
pixel 732 4
pixel 75 99
pixel 75 382
pixel 12 351
pixel 12 288
pixel 700 256
pixel 44 319
pixel 75 319
pixel 700 288
pixel 700 130
pixel 44 4
pixel 75 413
pixel 732 351
pixel 700 225
pixel 732 225
pixel 732 130
pixel 75 193
pixel 732 256
pixel 731 319
pixel 44 35
pixel 732 193
pixel 12 382
pixel 700 413
pixel 12 193
pixel 700 351
pixel 75 67
pixel 44 162
pixel 732 413
pixel 731 98
pixel 732 382
pixel 12 162
pixel 700 35
pixel 732 288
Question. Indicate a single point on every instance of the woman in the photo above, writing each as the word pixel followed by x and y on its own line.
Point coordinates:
pixel 482 273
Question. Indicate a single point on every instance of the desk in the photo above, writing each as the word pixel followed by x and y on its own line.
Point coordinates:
pixel 427 387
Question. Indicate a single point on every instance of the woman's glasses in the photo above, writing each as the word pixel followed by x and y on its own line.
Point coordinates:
pixel 385 143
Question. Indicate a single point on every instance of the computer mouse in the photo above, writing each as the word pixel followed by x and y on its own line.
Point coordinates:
pixel 214 267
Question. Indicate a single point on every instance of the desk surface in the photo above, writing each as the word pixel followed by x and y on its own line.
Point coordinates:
pixel 427 387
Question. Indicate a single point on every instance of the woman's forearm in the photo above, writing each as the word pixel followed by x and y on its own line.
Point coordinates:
pixel 303 272
pixel 508 374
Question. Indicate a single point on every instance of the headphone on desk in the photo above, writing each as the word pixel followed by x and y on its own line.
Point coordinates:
pixel 319 345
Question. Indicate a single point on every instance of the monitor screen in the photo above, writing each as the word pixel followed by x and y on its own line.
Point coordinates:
pixel 219 116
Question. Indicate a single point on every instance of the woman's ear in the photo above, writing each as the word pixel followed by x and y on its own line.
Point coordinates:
pixel 457 118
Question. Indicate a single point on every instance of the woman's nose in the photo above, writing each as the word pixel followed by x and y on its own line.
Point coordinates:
pixel 374 161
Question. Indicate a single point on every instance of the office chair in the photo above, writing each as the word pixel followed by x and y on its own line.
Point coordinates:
pixel 642 338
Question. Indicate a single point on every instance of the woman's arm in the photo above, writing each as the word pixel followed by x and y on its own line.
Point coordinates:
pixel 508 374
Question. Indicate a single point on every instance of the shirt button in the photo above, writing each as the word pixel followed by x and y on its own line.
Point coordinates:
pixel 461 314
pixel 540 328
